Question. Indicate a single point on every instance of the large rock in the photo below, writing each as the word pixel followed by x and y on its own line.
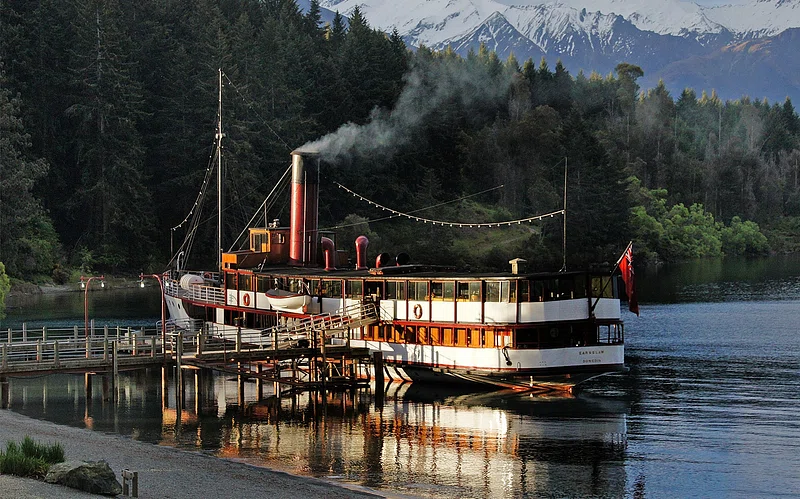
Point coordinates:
pixel 95 477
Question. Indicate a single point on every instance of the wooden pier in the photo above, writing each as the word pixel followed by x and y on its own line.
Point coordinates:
pixel 312 354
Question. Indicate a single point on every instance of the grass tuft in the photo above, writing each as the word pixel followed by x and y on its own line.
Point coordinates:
pixel 29 458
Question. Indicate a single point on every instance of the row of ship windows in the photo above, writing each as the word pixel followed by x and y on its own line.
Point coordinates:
pixel 553 336
pixel 505 291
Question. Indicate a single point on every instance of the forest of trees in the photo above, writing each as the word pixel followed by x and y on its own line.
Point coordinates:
pixel 108 112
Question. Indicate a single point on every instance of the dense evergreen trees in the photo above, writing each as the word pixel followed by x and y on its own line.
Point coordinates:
pixel 119 106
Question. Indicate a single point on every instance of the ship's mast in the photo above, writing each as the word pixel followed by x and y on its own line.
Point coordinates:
pixel 219 177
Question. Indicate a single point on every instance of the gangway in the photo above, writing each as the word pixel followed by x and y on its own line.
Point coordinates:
pixel 344 319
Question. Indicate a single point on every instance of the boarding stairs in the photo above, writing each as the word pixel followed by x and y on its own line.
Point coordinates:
pixel 329 324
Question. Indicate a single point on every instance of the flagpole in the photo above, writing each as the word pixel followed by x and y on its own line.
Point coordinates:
pixel 622 255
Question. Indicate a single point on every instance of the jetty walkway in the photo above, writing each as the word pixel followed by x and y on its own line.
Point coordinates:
pixel 295 354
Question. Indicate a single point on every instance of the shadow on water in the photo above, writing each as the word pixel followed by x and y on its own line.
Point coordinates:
pixel 728 279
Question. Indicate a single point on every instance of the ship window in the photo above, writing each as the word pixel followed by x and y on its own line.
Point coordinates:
pixel 443 291
pixel 396 290
pixel 353 289
pixel 332 289
pixel 418 290
pixel 246 282
pixel 579 286
pixel 566 289
pixel 314 286
pixel 469 291
pixel 524 290
pixel 449 291
pixel 601 287
pixel 262 284
pixel 492 291
pixel 499 291
pixel 550 289
pixel 230 280
pixel 537 291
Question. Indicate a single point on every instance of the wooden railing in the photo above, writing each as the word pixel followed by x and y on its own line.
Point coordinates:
pixel 69 353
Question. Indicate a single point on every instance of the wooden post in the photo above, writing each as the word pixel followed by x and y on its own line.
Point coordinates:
pixel 153 346
pixel 56 362
pixel 75 332
pixel 115 366
pixel 240 386
pixel 201 342
pixel 134 338
pixel 324 359
pixel 5 393
pixel 105 350
pixel 88 346
pixel 239 338
pixel 5 357
pixel 179 373
pixel 377 361
pixel 44 333
pixel 260 382
pixel 87 384
pixel 164 387
pixel 38 350
pixel 24 332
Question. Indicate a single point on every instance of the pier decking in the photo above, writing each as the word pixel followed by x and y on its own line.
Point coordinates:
pixel 310 354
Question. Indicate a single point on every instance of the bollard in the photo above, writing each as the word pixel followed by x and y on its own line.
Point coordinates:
pixel 130 483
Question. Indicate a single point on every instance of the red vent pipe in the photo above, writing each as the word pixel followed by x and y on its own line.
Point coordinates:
pixel 361 252
pixel 329 249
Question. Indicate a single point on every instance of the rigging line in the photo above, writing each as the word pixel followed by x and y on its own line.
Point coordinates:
pixel 251 107
pixel 258 210
pixel 451 224
pixel 413 211
pixel 255 188
pixel 209 169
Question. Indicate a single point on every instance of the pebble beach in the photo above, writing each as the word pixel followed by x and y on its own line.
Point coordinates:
pixel 164 472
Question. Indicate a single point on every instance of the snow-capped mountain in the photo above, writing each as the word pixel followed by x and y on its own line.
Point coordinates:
pixel 591 35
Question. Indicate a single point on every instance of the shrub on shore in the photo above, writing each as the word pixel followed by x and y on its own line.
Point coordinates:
pixel 29 458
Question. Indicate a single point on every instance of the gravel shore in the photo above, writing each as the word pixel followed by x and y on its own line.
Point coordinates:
pixel 164 472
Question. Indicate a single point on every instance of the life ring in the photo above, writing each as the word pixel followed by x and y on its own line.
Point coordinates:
pixel 246 300
pixel 418 311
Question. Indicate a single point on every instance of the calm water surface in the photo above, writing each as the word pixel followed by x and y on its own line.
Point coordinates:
pixel 709 409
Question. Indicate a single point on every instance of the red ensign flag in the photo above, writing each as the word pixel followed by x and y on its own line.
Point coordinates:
pixel 626 267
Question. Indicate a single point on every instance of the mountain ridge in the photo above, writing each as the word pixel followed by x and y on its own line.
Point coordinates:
pixel 667 38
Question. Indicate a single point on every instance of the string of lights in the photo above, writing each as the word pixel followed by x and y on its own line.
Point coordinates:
pixel 445 223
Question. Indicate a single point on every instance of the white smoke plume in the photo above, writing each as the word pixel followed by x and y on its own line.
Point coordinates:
pixel 428 86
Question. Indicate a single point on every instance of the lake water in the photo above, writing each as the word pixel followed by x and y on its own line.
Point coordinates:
pixel 709 409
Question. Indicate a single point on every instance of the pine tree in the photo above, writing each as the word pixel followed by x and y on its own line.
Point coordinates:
pixel 112 203
pixel 28 243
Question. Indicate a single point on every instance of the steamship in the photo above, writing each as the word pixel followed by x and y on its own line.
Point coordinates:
pixel 429 322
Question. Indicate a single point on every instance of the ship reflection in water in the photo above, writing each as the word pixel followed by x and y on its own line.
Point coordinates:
pixel 416 440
